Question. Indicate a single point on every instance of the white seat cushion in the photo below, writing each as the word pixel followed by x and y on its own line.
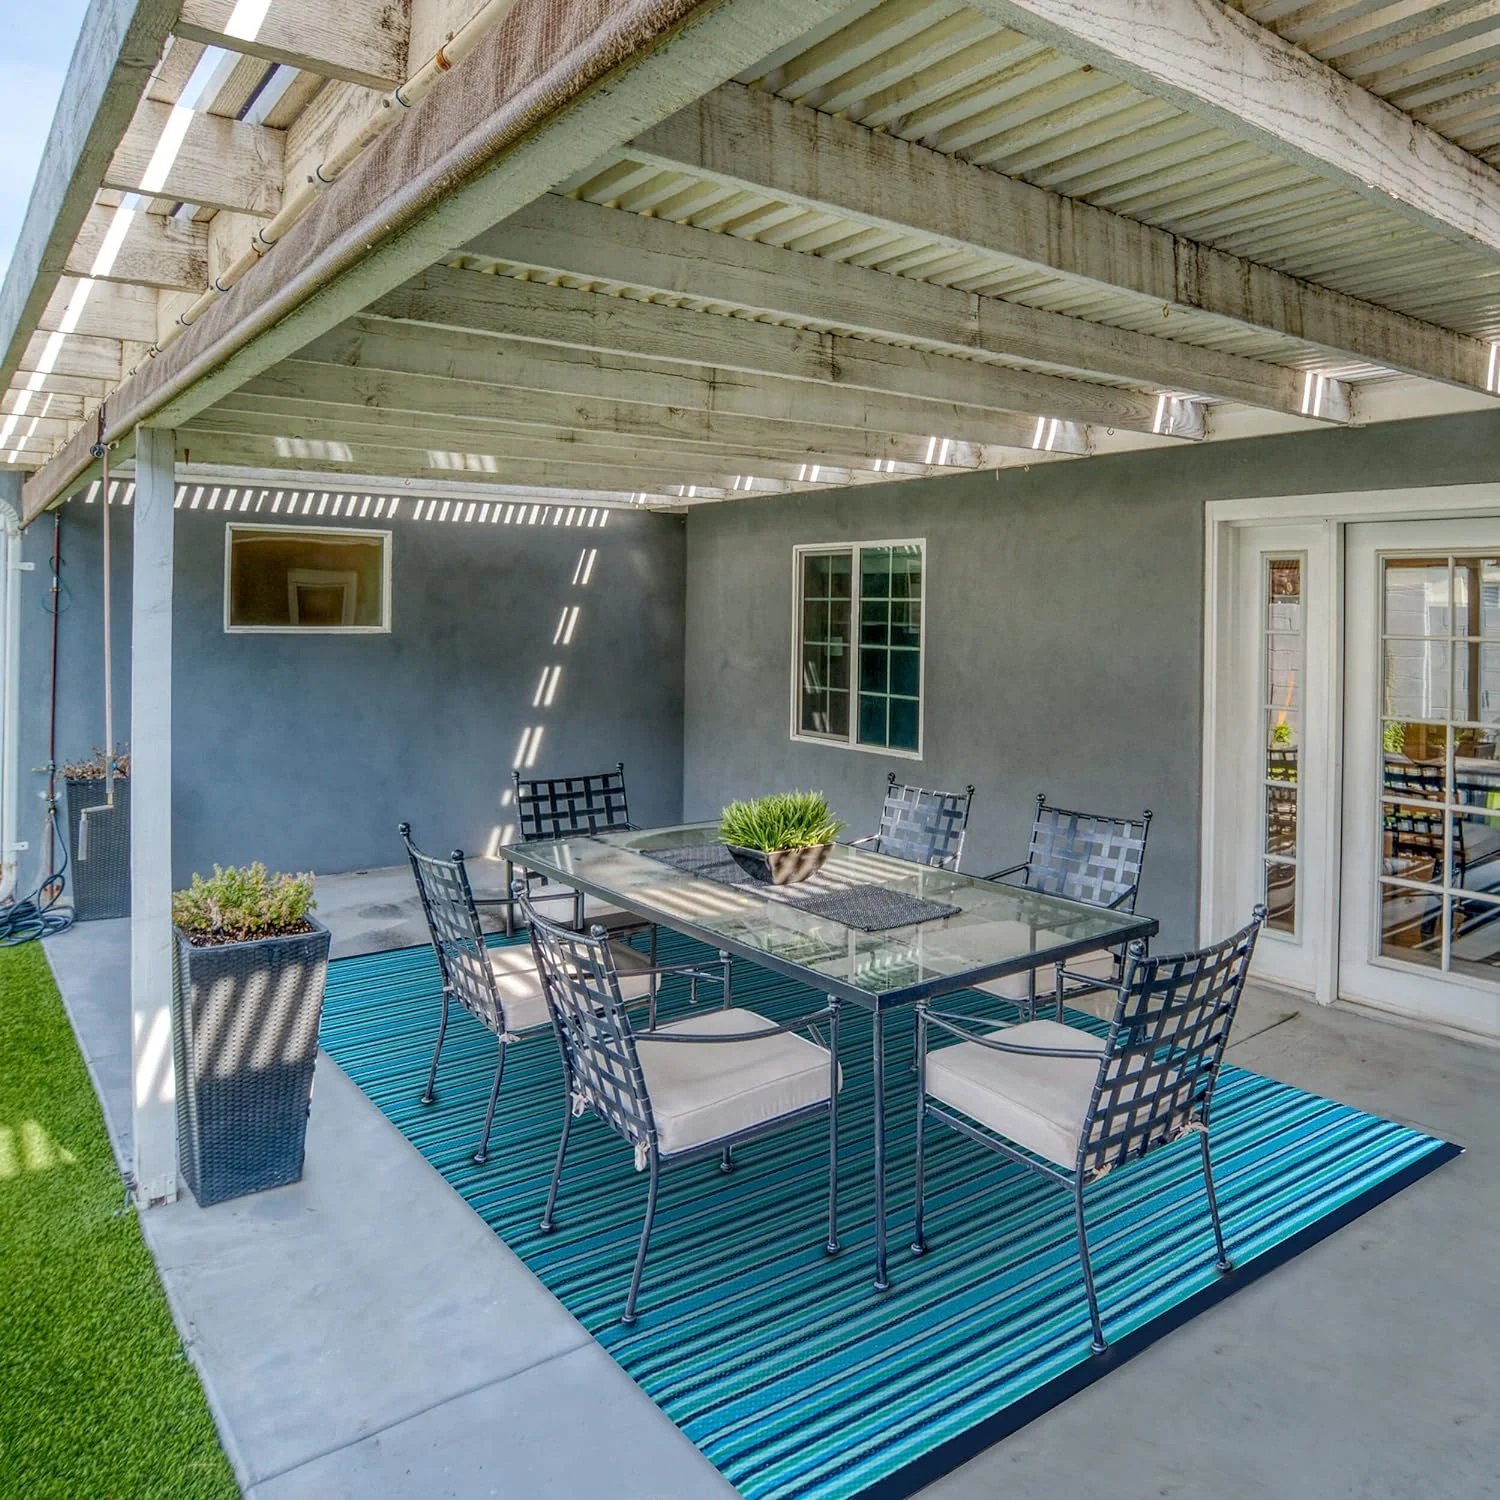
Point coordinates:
pixel 1037 1102
pixel 1100 966
pixel 520 986
pixel 704 1092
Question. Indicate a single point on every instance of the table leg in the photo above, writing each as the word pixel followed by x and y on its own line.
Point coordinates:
pixel 877 1028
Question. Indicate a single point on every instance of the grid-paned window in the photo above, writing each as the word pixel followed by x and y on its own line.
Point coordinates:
pixel 859 645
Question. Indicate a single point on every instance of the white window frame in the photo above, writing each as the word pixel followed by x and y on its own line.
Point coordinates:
pixel 852 741
pixel 359 533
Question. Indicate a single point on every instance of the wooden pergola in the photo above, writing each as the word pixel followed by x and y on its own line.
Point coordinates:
pixel 664 252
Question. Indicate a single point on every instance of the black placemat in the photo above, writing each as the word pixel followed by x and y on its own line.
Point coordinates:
pixel 868 908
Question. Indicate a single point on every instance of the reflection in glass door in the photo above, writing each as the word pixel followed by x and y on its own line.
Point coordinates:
pixel 1439 815
pixel 1284 660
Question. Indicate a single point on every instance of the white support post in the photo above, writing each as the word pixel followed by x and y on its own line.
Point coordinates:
pixel 154 1095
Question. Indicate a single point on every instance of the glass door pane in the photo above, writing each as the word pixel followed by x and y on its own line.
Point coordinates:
pixel 1284 659
pixel 1440 772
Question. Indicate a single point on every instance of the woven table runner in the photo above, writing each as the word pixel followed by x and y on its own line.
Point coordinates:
pixel 867 908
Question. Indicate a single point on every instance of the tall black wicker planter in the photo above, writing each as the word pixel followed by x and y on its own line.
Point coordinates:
pixel 245 1033
pixel 101 880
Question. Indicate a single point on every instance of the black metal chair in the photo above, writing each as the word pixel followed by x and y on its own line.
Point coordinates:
pixel 500 986
pixel 1072 1106
pixel 560 807
pixel 920 825
pixel 1092 857
pixel 688 1090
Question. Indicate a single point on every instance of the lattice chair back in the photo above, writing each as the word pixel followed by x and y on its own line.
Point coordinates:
pixel 559 807
pixel 1087 856
pixel 593 1029
pixel 1414 834
pixel 457 938
pixel 1162 1058
pixel 923 825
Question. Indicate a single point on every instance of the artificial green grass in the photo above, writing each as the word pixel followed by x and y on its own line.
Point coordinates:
pixel 97 1397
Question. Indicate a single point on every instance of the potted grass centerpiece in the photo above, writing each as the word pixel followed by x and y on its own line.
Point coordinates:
pixel 780 839
pixel 98 791
pixel 250 964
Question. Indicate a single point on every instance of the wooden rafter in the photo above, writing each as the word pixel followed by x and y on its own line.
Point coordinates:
pixel 216 163
pixel 359 41
pixel 754 140
pixel 565 236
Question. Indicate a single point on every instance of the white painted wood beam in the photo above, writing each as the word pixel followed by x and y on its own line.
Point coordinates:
pixel 439 195
pixel 120 44
pixel 360 41
pixel 1220 66
pixel 565 471
pixel 516 441
pixel 77 354
pixel 483 360
pixel 156 251
pixel 107 310
pixel 153 1087
pixel 755 140
pixel 539 314
pixel 171 153
pixel 345 394
pixel 566 236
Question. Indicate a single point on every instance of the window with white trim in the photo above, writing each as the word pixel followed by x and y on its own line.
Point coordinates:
pixel 306 578
pixel 858 664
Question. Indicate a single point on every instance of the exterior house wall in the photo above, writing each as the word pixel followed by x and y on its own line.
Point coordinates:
pixel 1063 631
pixel 306 751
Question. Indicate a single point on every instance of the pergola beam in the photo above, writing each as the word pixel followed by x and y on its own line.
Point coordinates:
pixel 565 471
pixel 1219 65
pixel 359 41
pixel 118 47
pixel 460 300
pixel 575 238
pixel 481 360
pixel 419 401
pixel 438 179
pixel 204 160
pixel 754 141
pixel 157 251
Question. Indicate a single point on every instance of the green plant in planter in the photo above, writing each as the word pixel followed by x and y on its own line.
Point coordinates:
pixel 784 820
pixel 242 903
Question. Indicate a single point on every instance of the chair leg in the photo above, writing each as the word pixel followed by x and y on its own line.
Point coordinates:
pixel 482 1155
pixel 832 1244
pixel 1059 986
pixel 1223 1262
pixel 918 1239
pixel 727 962
pixel 557 1167
pixel 726 1160
pixel 1098 1345
pixel 430 1093
pixel 628 1317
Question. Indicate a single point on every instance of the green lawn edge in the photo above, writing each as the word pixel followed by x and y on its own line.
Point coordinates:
pixel 97 1395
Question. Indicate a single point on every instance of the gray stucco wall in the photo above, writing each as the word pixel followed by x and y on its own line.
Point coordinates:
pixel 306 751
pixel 1064 628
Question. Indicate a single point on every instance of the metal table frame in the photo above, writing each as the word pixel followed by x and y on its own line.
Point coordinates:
pixel 1129 927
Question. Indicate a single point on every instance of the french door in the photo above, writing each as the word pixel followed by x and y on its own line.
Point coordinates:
pixel 1420 901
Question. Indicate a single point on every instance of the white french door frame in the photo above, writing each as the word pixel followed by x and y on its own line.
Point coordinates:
pixel 1223 765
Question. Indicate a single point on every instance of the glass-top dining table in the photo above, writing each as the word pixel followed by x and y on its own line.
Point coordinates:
pixel 994 929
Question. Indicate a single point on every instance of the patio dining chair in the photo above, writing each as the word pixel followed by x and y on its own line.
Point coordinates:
pixel 1092 857
pixel 560 807
pixel 500 986
pixel 920 825
pixel 685 1091
pixel 1074 1106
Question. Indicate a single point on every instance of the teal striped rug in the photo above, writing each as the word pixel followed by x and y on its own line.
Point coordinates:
pixel 789 1372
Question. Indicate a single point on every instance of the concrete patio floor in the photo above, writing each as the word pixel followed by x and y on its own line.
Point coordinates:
pixel 362 1333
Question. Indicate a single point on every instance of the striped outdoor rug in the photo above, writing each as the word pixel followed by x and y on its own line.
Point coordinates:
pixel 789 1372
